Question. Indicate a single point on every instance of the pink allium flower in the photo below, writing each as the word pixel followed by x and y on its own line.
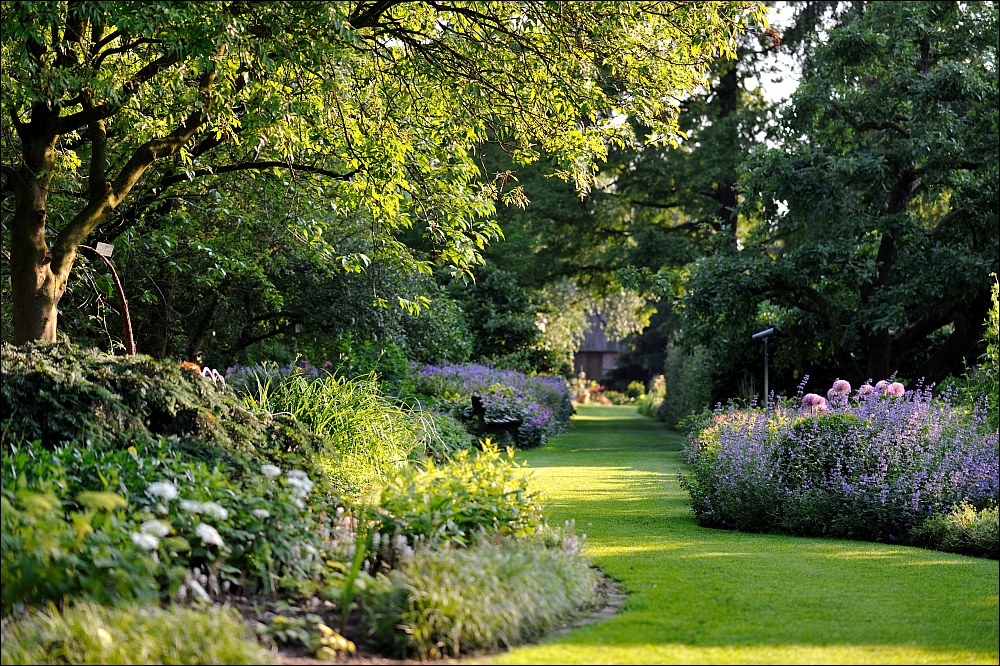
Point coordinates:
pixel 815 403
pixel 882 386
pixel 896 389
pixel 841 387
pixel 865 389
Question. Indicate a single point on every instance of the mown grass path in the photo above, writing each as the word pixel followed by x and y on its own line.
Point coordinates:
pixel 703 596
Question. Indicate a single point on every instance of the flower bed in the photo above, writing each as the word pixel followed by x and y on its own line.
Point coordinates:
pixel 874 464
pixel 542 402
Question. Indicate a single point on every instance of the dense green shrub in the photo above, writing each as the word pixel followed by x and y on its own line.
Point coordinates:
pixel 241 534
pixel 814 448
pixel 92 634
pixel 962 530
pixel 688 378
pixel 58 393
pixel 48 556
pixel 494 594
pixel 648 404
pixel 984 379
pixel 457 500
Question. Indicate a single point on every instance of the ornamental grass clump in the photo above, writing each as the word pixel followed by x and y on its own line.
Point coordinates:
pixel 86 633
pixel 365 437
pixel 495 594
pixel 874 465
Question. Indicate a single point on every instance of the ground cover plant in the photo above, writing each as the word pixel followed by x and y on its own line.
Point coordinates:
pixel 542 402
pixel 875 464
pixel 699 595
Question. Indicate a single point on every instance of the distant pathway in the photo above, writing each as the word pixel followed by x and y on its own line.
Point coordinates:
pixel 712 596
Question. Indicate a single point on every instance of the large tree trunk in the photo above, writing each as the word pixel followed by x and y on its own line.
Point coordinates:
pixel 36 290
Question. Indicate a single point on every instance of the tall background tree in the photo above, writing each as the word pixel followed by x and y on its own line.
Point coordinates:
pixel 874 218
pixel 118 115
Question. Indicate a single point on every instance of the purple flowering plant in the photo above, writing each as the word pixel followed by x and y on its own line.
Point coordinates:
pixel 542 402
pixel 871 464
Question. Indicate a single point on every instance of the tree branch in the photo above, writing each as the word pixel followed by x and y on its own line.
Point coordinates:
pixel 363 17
pixel 259 166
pixel 87 116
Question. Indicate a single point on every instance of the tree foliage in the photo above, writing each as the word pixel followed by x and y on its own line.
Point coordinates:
pixel 115 111
pixel 876 214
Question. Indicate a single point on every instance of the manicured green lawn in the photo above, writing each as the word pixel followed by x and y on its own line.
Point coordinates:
pixel 702 596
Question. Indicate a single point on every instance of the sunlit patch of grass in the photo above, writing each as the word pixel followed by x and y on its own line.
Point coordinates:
pixel 698 595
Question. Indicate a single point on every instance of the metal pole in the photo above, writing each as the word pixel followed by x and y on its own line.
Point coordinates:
pixel 766 393
pixel 129 340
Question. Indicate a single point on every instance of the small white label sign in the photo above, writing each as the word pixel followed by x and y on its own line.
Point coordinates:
pixel 105 249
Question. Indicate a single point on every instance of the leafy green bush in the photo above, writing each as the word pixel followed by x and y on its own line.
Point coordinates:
pixel 814 447
pixel 688 375
pixel 242 534
pixel 48 556
pixel 962 530
pixel 648 403
pixel 58 393
pixel 455 501
pixel 495 594
pixel 92 634
pixel 984 380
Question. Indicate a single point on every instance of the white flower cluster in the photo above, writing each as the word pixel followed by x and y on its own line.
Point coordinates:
pixel 270 471
pixel 157 528
pixel 163 490
pixel 208 508
pixel 145 541
pixel 300 485
pixel 208 535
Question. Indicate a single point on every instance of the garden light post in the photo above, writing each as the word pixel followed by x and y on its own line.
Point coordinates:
pixel 103 251
pixel 764 335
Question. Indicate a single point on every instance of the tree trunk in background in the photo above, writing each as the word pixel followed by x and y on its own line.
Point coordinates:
pixel 35 289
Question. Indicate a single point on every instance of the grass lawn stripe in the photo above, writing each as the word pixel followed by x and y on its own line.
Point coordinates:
pixel 704 596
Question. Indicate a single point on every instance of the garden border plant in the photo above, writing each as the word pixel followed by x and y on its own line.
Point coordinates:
pixel 881 464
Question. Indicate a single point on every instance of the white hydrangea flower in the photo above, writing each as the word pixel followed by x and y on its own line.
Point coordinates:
pixel 208 535
pixel 270 471
pixel 145 541
pixel 299 482
pixel 165 490
pixel 297 474
pixel 214 510
pixel 208 508
pixel 157 528
pixel 263 514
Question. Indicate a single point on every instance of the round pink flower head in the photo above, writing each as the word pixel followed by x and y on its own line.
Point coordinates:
pixel 815 403
pixel 841 387
pixel 896 389
pixel 865 389
pixel 882 386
